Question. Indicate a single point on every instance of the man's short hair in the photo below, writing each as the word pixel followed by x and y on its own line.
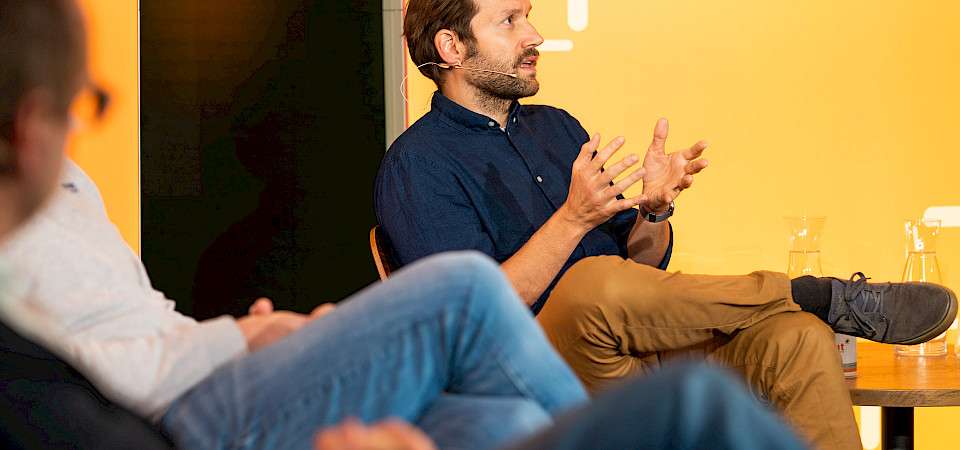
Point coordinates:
pixel 422 21
pixel 42 44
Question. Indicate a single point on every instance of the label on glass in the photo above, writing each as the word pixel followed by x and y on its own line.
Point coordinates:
pixel 847 345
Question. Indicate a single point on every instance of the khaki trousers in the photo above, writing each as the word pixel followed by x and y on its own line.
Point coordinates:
pixel 611 318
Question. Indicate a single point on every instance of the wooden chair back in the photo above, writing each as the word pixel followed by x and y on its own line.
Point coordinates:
pixel 383 255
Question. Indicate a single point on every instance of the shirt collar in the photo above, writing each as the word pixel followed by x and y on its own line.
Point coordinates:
pixel 470 120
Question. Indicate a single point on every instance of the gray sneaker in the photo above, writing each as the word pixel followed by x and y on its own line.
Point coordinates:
pixel 893 313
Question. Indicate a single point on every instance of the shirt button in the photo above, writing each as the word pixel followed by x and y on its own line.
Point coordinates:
pixel 539 180
pixel 514 120
pixel 492 123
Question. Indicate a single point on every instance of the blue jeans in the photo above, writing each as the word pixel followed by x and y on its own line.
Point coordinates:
pixel 444 343
pixel 680 407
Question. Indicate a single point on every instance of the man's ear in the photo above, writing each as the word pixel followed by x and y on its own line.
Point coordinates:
pixel 449 46
pixel 31 129
pixel 33 108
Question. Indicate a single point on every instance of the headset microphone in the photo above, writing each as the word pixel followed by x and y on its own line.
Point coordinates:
pixel 458 66
pixel 445 66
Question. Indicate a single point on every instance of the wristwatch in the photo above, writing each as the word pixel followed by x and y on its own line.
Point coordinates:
pixel 655 218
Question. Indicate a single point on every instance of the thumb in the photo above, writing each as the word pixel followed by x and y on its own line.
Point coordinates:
pixel 660 135
pixel 322 310
pixel 261 306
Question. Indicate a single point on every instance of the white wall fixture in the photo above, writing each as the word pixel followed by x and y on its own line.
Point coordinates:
pixel 556 45
pixel 577 19
pixel 949 215
pixel 577 14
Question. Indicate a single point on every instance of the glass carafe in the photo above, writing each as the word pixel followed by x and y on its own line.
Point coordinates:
pixel 805 260
pixel 922 266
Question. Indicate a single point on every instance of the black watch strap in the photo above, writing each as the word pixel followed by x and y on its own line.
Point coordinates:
pixel 656 218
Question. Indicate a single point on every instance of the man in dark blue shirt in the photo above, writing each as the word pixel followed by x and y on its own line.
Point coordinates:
pixel 466 183
pixel 526 184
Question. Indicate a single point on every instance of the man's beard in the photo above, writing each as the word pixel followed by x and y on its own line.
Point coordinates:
pixel 497 87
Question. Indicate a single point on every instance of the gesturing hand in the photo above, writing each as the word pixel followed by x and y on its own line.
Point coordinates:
pixel 264 326
pixel 668 174
pixel 592 199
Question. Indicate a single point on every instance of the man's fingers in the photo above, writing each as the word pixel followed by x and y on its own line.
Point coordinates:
pixel 695 167
pixel 660 135
pixel 616 169
pixel 624 184
pixel 627 203
pixel 586 151
pixel 607 151
pixel 695 151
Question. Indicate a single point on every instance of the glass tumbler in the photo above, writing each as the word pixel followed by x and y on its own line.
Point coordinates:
pixel 922 266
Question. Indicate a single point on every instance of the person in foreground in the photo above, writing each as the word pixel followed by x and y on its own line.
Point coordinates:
pixel 526 185
pixel 44 402
pixel 445 344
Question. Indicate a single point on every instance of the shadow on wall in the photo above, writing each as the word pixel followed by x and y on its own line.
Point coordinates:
pixel 289 135
pixel 262 130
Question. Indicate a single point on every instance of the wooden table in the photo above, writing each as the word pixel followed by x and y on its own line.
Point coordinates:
pixel 900 383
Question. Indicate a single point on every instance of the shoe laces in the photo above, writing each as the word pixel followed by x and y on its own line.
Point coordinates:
pixel 853 289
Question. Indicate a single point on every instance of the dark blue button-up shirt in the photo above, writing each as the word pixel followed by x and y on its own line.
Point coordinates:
pixel 455 180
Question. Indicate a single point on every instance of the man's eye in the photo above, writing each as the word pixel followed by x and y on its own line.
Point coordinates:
pixel 508 21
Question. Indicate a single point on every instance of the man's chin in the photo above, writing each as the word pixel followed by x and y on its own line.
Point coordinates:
pixel 533 89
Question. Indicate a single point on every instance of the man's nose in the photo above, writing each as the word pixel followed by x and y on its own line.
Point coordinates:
pixel 533 37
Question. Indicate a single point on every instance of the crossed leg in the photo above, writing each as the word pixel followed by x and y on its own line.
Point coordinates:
pixel 610 318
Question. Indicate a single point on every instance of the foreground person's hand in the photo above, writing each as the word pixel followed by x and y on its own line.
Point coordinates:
pixel 390 434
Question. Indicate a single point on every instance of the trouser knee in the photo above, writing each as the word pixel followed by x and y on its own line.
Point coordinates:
pixel 798 335
pixel 462 270
pixel 782 354
pixel 467 263
pixel 467 279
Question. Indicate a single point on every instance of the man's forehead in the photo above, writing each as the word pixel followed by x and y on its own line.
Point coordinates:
pixel 488 8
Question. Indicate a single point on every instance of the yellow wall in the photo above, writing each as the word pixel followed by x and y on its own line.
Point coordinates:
pixel 109 152
pixel 842 109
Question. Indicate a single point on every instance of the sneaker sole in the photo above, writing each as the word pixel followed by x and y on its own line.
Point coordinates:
pixel 941 327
